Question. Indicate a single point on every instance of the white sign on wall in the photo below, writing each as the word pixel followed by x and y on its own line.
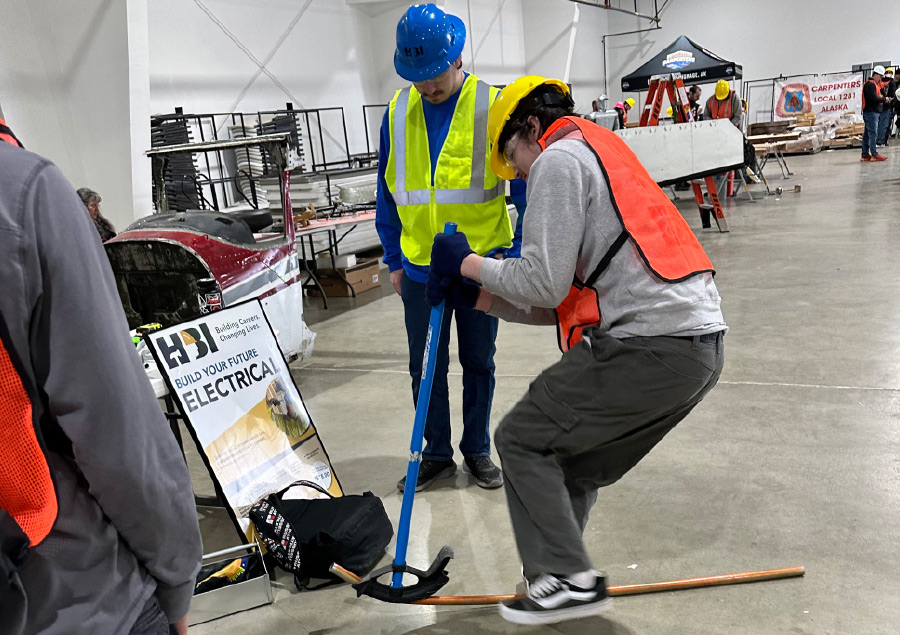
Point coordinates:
pixel 828 96
pixel 249 421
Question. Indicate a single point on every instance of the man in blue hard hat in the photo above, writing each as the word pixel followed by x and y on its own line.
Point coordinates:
pixel 432 168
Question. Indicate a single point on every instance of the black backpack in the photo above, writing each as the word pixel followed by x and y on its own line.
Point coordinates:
pixel 305 537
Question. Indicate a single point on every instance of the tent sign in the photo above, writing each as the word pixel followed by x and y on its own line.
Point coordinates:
pixel 695 63
pixel 678 60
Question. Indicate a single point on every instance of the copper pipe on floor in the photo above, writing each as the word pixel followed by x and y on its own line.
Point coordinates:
pixel 625 589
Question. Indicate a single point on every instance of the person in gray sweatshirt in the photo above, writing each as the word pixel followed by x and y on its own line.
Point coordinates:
pixel 91 478
pixel 599 234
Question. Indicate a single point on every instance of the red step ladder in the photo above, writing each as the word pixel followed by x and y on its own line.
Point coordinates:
pixel 672 85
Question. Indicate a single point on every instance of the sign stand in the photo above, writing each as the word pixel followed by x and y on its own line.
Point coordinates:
pixel 228 378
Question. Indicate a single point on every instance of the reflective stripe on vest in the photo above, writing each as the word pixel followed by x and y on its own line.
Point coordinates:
pixel 651 223
pixel 26 487
pixel 463 189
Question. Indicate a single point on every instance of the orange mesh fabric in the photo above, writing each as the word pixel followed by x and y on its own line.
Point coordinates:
pixel 580 309
pixel 26 489
pixel 663 238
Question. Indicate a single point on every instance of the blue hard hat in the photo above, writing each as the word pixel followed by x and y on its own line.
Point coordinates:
pixel 428 42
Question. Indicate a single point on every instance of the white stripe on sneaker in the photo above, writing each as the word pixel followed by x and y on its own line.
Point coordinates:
pixel 564 595
pixel 553 617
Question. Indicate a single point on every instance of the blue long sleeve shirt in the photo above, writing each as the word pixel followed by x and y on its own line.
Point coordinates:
pixel 387 219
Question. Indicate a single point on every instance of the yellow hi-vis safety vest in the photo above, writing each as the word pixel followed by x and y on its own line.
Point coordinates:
pixel 465 190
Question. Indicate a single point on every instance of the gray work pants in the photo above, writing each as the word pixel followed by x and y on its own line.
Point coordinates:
pixel 583 424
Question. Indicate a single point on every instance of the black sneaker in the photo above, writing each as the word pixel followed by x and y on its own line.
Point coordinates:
pixel 429 472
pixel 487 475
pixel 551 599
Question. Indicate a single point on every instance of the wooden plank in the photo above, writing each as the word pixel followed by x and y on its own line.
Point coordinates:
pixel 768 138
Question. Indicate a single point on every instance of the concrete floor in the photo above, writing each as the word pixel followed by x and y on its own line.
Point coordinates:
pixel 791 460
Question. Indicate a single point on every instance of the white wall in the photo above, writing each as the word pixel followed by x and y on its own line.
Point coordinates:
pixel 335 55
pixel 340 53
pixel 66 89
pixel 548 25
pixel 767 37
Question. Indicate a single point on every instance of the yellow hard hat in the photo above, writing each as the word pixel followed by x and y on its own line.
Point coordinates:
pixel 503 108
pixel 889 70
pixel 722 89
pixel 669 111
pixel 630 102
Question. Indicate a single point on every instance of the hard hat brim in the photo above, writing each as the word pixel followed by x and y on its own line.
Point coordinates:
pixel 502 110
pixel 424 73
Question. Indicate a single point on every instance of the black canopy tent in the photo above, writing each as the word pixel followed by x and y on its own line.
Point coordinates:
pixel 696 65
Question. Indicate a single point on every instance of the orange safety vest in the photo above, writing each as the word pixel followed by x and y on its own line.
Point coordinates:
pixel 6 134
pixel 27 493
pixel 719 109
pixel 878 87
pixel 653 225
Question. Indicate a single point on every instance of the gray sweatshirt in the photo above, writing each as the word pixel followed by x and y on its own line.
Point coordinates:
pixel 127 524
pixel 568 228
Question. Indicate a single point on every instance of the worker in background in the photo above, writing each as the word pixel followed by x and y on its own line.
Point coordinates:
pixel 889 92
pixel 622 108
pixel 694 93
pixel 91 201
pixel 98 527
pixel 725 104
pixel 433 168
pixel 872 105
pixel 599 233
pixel 895 113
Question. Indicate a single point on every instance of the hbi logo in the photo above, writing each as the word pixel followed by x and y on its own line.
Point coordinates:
pixel 417 51
pixel 176 352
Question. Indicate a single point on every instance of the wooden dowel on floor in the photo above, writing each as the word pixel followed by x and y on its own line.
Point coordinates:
pixel 626 589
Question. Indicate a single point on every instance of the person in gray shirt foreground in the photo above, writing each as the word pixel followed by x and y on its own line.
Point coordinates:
pixel 119 547
pixel 599 233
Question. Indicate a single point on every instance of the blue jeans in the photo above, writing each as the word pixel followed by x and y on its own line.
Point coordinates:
pixel 476 333
pixel 871 120
pixel 884 122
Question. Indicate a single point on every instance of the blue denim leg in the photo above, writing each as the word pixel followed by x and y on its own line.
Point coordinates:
pixel 417 313
pixel 476 334
pixel 871 121
pixel 884 119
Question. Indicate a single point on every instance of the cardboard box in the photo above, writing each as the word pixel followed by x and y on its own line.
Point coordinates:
pixel 363 276
pixel 341 262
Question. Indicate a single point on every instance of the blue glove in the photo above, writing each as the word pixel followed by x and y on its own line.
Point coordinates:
pixel 458 292
pixel 448 252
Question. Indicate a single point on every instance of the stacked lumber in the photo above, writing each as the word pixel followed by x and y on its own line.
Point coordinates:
pixel 849 130
pixel 806 119
pixel 847 135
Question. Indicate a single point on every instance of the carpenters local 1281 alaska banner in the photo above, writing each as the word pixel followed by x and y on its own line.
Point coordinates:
pixel 228 375
pixel 828 96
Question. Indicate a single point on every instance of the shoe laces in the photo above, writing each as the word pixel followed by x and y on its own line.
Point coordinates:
pixel 544 586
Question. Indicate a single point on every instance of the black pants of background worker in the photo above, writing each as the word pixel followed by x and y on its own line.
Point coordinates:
pixel 584 423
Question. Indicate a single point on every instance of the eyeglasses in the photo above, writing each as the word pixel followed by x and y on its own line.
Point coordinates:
pixel 510 150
